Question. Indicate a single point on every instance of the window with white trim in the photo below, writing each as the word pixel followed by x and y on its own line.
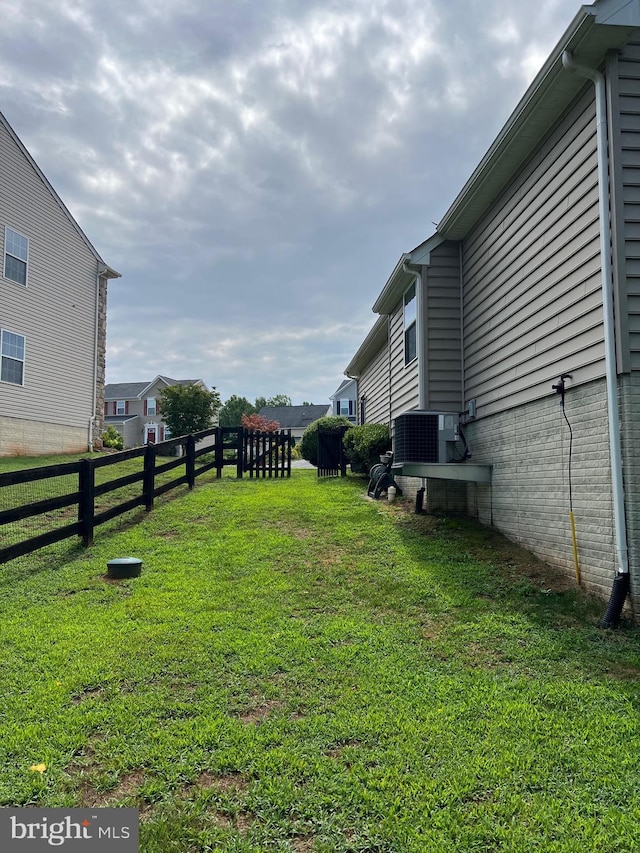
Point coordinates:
pixel 16 256
pixel 11 357
pixel 121 407
pixel 410 334
pixel 151 405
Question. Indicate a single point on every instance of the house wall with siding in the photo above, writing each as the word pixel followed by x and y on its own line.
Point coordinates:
pixel 442 345
pixel 403 377
pixel 624 99
pixel 55 311
pixel 531 294
pixel 373 385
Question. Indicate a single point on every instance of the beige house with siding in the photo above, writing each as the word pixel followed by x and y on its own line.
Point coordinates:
pixel 132 408
pixel 533 274
pixel 53 298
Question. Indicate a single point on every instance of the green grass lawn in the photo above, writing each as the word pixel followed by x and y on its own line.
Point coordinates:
pixel 301 669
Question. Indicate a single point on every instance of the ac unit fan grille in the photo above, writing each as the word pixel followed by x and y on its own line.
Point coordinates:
pixel 416 438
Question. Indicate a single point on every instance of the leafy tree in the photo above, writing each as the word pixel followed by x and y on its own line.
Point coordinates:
pixel 365 444
pixel 276 401
pixel 307 403
pixel 233 410
pixel 188 408
pixel 309 441
pixel 279 400
pixel 259 423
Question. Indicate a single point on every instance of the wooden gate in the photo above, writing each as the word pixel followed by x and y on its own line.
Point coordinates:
pixel 331 457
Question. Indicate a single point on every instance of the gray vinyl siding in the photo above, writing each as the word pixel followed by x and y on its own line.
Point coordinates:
pixel 404 378
pixel 442 346
pixel 628 173
pixel 532 305
pixel 373 385
pixel 56 310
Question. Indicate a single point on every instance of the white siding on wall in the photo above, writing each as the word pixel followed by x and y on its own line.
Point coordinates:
pixel 629 118
pixel 531 275
pixel 404 378
pixel 442 323
pixel 373 385
pixel 56 310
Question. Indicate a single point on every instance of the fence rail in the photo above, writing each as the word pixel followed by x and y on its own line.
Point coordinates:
pixel 258 454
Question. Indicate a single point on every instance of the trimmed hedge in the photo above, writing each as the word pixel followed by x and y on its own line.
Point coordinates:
pixel 365 444
pixel 309 441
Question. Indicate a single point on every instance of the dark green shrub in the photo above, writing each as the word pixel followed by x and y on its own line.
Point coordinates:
pixel 309 441
pixel 364 445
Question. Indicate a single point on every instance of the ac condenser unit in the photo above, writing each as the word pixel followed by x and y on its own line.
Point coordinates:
pixel 420 436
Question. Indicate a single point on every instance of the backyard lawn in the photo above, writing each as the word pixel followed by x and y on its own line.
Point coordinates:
pixel 301 669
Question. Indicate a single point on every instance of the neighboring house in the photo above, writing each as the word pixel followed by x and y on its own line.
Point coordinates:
pixel 53 297
pixel 132 408
pixel 295 418
pixel 507 296
pixel 344 401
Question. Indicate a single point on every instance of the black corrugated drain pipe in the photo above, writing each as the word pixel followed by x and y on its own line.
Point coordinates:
pixel 611 618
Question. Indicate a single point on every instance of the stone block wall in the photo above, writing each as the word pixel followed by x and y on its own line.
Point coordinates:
pixel 528 498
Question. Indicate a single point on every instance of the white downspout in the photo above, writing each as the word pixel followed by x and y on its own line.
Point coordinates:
pixel 607 308
pixel 92 419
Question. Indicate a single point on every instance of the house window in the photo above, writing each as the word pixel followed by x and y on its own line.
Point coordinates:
pixel 410 341
pixel 363 410
pixel 345 407
pixel 121 407
pixel 12 358
pixel 16 253
pixel 151 406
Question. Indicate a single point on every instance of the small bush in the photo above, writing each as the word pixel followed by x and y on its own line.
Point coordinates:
pixel 364 445
pixel 112 438
pixel 309 441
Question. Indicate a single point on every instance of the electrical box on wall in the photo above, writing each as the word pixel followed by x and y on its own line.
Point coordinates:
pixel 420 436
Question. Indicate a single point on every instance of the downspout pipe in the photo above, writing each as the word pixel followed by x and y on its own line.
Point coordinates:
pixel 622 554
pixel 92 419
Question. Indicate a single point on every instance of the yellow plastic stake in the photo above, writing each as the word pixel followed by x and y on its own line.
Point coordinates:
pixel 575 545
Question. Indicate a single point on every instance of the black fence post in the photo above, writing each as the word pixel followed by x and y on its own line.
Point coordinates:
pixel 86 509
pixel 149 476
pixel 190 461
pixel 219 439
pixel 240 448
pixel 289 452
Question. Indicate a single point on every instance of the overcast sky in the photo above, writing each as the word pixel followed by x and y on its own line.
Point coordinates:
pixel 255 168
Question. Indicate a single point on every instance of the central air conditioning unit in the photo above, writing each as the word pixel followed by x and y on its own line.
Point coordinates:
pixel 427 437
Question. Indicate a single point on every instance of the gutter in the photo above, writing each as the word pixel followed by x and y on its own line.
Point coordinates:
pixel 617 485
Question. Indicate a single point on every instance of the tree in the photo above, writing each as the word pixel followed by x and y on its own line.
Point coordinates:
pixel 307 403
pixel 279 400
pixel 188 408
pixel 259 423
pixel 233 410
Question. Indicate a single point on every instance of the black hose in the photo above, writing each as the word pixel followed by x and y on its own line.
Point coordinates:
pixel 611 618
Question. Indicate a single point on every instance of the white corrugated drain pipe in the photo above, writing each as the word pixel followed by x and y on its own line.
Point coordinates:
pixel 622 579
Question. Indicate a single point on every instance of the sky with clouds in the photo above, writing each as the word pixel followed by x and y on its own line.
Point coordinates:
pixel 255 168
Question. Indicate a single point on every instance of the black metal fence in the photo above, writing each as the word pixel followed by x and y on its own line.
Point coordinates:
pixel 79 485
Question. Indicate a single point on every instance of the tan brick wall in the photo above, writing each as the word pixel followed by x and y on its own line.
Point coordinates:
pixel 34 438
pixel 528 499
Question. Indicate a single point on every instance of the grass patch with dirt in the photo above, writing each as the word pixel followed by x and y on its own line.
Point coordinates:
pixel 301 669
